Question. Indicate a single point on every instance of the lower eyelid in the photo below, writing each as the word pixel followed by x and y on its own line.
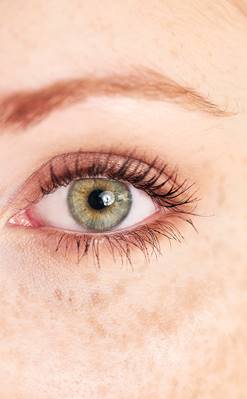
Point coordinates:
pixel 145 240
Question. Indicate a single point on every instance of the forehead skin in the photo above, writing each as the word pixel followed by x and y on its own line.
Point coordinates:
pixel 178 328
pixel 94 40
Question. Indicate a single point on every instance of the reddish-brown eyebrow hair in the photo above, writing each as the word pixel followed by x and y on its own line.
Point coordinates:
pixel 241 6
pixel 25 108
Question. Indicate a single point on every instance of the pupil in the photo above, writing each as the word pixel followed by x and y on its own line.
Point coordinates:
pixel 99 199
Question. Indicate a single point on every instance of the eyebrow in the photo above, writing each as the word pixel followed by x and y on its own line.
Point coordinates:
pixel 242 7
pixel 22 109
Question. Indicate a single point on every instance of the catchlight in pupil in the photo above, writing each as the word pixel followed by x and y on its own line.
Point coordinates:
pixel 99 204
pixel 99 199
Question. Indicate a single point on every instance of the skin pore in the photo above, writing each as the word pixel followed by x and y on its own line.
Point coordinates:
pixel 176 327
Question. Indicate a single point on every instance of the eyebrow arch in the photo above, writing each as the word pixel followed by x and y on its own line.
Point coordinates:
pixel 22 109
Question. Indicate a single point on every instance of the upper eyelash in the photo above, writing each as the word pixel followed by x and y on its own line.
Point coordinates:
pixel 143 176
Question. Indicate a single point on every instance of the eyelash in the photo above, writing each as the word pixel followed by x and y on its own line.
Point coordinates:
pixel 162 187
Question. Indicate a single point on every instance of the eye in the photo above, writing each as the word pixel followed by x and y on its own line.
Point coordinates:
pixel 84 202
pixel 93 205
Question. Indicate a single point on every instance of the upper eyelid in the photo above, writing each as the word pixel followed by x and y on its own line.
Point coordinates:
pixel 48 164
pixel 30 186
pixel 100 163
pixel 31 190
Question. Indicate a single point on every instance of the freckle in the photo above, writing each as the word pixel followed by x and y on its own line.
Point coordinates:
pixel 23 291
pixel 71 297
pixel 58 294
pixel 3 297
pixel 174 53
pixel 157 321
pixel 148 319
pixel 99 299
pixel 95 298
pixel 97 327
pixel 119 290
pixel 90 277
pixel 221 192
pixel 103 391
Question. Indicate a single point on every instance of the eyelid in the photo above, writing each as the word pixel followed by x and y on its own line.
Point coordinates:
pixel 61 169
pixel 163 184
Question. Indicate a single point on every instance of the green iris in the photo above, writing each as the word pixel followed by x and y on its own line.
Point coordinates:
pixel 99 204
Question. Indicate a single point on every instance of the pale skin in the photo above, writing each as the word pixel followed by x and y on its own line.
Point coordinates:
pixel 176 327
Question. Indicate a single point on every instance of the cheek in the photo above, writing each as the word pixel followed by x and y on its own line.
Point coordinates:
pixel 105 331
pixel 79 340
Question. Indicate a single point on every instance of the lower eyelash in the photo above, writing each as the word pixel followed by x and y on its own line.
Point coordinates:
pixel 145 238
